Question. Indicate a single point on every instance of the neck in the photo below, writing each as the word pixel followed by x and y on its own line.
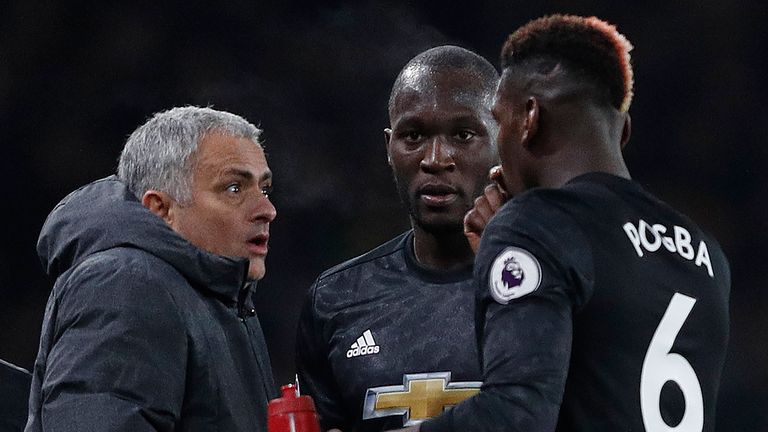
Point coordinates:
pixel 579 147
pixel 443 251
pixel 567 166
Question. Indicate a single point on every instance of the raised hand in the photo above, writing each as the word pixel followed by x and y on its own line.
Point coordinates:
pixel 486 205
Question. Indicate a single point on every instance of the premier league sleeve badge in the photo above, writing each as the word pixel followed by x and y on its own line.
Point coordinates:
pixel 514 273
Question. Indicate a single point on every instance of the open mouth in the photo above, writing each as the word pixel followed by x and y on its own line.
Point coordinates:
pixel 259 245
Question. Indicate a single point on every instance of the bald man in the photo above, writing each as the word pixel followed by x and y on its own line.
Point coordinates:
pixel 386 339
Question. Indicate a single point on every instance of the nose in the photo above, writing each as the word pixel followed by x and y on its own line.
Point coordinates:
pixel 265 211
pixel 437 156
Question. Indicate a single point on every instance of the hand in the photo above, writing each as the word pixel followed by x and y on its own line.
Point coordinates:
pixel 486 205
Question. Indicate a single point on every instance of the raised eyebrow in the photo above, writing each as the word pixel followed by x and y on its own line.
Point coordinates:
pixel 247 175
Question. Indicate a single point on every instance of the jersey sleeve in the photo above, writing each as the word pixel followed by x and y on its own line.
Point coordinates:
pixel 117 338
pixel 314 369
pixel 533 271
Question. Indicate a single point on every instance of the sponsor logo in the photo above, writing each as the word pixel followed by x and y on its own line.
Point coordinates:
pixel 514 273
pixel 363 346
pixel 421 396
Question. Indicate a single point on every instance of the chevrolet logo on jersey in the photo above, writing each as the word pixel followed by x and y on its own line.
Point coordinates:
pixel 420 397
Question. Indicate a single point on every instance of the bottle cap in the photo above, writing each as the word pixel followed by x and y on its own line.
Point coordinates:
pixel 290 402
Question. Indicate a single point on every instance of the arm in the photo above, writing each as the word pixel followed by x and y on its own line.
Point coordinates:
pixel 524 321
pixel 314 369
pixel 526 362
pixel 525 366
pixel 117 356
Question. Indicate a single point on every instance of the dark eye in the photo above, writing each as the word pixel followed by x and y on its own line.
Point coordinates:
pixel 464 135
pixel 234 188
pixel 413 136
pixel 266 190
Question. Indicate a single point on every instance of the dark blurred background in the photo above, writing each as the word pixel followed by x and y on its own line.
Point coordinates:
pixel 77 77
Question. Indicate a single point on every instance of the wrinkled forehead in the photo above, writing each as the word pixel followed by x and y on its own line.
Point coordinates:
pixel 422 86
pixel 218 151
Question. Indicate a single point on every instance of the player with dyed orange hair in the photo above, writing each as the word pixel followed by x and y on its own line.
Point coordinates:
pixel 599 307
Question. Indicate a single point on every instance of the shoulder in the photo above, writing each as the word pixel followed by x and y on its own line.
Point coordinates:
pixel 383 251
pixel 534 240
pixel 542 213
pixel 338 284
pixel 119 278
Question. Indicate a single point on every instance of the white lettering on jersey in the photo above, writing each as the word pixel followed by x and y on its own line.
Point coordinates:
pixel 364 345
pixel 650 238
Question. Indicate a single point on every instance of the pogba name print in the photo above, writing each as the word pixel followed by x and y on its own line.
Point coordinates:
pixel 651 238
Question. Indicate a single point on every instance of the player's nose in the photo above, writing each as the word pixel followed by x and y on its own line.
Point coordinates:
pixel 437 155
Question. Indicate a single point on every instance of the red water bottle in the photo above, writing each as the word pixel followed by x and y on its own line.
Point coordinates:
pixel 292 412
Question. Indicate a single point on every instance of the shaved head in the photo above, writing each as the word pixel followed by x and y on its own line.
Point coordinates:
pixel 418 74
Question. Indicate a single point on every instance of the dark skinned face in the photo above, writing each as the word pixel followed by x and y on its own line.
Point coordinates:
pixel 440 146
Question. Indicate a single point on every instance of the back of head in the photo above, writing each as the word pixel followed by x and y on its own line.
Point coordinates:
pixel 443 59
pixel 589 50
pixel 159 154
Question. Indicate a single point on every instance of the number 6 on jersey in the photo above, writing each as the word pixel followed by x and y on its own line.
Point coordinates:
pixel 661 366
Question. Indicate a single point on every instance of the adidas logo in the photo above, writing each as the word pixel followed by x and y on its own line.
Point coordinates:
pixel 363 346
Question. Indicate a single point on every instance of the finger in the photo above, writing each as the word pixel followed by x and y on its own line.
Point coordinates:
pixel 495 173
pixel 497 176
pixel 483 209
pixel 474 222
pixel 473 228
pixel 495 196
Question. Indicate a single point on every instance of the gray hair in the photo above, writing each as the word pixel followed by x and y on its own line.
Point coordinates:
pixel 158 154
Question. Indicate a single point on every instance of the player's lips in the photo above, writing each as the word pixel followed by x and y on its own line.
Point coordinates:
pixel 259 244
pixel 437 195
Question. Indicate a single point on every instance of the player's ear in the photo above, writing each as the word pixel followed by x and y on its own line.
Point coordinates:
pixel 626 131
pixel 387 140
pixel 158 203
pixel 530 121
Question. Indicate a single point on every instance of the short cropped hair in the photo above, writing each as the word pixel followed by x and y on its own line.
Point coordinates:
pixel 159 154
pixel 588 45
pixel 449 57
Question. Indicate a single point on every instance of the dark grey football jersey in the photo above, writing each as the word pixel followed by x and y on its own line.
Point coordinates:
pixel 600 308
pixel 384 343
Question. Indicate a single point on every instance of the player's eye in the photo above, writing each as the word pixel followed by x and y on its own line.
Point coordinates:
pixel 464 135
pixel 234 188
pixel 413 136
pixel 267 190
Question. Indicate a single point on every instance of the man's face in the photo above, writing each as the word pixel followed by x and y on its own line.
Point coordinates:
pixel 230 209
pixel 508 140
pixel 440 146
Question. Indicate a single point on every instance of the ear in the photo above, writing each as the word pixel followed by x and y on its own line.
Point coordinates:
pixel 530 122
pixel 626 131
pixel 158 203
pixel 387 140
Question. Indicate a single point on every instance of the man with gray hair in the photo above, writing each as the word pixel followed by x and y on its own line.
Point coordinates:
pixel 150 324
